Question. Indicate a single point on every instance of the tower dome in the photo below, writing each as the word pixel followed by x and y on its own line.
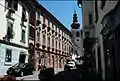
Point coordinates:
pixel 75 24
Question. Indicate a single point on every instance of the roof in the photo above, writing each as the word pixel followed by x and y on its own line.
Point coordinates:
pixel 55 21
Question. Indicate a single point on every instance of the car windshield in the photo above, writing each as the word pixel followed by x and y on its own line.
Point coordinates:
pixel 15 65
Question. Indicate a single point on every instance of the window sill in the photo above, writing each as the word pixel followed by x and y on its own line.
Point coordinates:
pixel 22 41
pixel 7 63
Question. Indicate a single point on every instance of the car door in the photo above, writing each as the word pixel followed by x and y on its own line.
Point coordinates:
pixel 27 69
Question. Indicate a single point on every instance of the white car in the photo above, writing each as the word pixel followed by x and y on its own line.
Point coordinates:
pixel 71 64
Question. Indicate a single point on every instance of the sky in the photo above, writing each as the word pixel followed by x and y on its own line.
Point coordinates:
pixel 63 10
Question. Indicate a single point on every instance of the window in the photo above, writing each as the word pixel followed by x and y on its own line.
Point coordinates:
pixel 102 4
pixel 10 33
pixel 11 4
pixel 44 39
pixel 56 43
pixel 8 57
pixel 62 46
pixel 48 23
pixel 32 18
pixel 96 12
pixel 77 34
pixel 59 45
pixel 56 29
pixel 52 27
pixel 9 15
pixel 7 3
pixel 52 42
pixel 43 19
pixel 65 48
pixel 32 32
pixel 23 15
pixel 90 19
pixel 48 40
pixel 38 15
pixel 15 5
pixel 38 36
pixel 23 35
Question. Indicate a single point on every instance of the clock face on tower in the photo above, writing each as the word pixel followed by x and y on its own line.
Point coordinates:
pixel 77 40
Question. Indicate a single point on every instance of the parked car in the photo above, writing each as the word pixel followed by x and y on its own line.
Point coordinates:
pixel 21 69
pixel 69 65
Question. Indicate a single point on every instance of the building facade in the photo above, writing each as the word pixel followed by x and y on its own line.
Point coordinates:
pixel 89 38
pixel 109 19
pixel 53 45
pixel 31 34
pixel 106 23
pixel 13 33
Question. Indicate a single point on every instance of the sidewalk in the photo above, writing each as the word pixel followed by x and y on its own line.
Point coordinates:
pixel 29 77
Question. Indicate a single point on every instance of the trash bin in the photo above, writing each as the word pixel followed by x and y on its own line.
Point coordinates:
pixel 46 74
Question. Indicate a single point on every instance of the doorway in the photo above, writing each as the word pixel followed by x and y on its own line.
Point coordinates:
pixel 22 58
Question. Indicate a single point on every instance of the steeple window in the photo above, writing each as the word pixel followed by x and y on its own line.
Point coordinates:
pixel 77 34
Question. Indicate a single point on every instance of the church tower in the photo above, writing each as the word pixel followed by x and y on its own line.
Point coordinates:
pixel 77 36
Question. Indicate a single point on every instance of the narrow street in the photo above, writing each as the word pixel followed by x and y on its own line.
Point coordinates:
pixel 66 40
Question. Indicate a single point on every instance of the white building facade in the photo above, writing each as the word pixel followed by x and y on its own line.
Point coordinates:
pixel 13 33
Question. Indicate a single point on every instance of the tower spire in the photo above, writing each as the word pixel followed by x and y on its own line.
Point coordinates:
pixel 75 24
pixel 74 11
